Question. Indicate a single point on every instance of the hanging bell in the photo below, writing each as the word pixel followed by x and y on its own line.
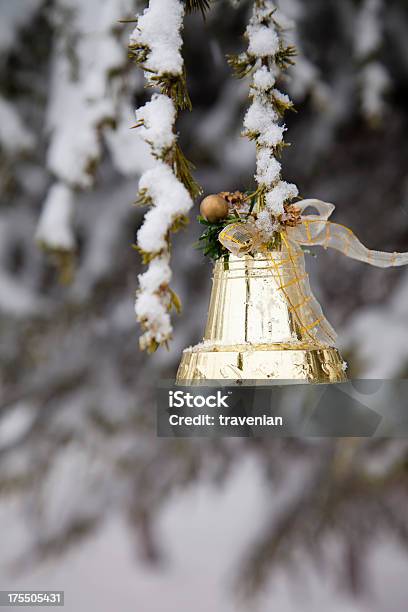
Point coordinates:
pixel 263 324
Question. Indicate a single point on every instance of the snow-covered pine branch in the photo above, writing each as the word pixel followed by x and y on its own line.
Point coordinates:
pixel 267 55
pixel 168 187
pixel 87 60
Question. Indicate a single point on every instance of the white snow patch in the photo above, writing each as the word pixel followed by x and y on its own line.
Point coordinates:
pixel 159 29
pixel 259 116
pixel 281 193
pixel 263 79
pixel 170 198
pixel 265 224
pixel 15 137
pixel 158 116
pixel 158 273
pixel 55 224
pixel 368 29
pixel 263 40
pixel 375 84
pixel 268 168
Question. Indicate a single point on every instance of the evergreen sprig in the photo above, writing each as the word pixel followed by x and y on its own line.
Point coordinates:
pixel 138 53
pixel 241 64
pixel 284 57
pixel 173 86
pixel 183 169
pixel 208 242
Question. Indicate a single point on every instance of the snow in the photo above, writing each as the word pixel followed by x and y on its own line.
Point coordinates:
pixel 98 330
pixel 15 137
pixel 377 336
pixel 219 521
pixel 130 154
pixel 261 121
pixel 368 33
pixel 263 79
pixel 158 117
pixel 268 168
pixel 281 97
pixel 374 79
pixel 75 141
pixel 170 198
pixel 159 29
pixel 151 311
pixel 55 224
pixel 281 193
pixel 80 104
pixel 305 76
pixel 259 116
pixel 375 83
pixel 272 136
pixel 263 41
pixel 17 300
pixel 158 273
pixel 266 224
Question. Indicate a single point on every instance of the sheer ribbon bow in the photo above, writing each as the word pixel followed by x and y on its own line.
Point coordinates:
pixel 317 230
pixel 292 279
pixel 313 230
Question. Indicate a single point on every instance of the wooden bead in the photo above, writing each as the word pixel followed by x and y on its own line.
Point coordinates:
pixel 214 208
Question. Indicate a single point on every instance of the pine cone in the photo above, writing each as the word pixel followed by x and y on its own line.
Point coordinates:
pixel 235 198
pixel 292 215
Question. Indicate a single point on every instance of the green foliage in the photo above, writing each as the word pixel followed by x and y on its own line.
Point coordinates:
pixel 138 53
pixel 208 242
pixel 183 169
pixel 178 224
pixel 175 87
pixel 175 301
pixel 143 198
pixel 284 57
pixel 282 107
pixel 242 64
pixel 147 257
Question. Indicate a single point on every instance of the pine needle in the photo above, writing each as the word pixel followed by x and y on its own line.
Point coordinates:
pixel 175 87
pixel 183 169
pixel 198 5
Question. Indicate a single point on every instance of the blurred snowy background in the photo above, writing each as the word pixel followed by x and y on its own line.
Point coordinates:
pixel 90 501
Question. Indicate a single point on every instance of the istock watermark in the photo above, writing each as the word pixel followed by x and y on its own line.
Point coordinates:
pixel 358 408
pixel 179 399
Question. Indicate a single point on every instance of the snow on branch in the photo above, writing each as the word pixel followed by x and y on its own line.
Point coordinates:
pixel 266 57
pixel 87 58
pixel 156 44
pixel 168 187
pixel 55 225
pixel 157 37
pixel 15 137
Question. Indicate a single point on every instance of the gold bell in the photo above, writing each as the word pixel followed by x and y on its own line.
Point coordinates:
pixel 263 324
